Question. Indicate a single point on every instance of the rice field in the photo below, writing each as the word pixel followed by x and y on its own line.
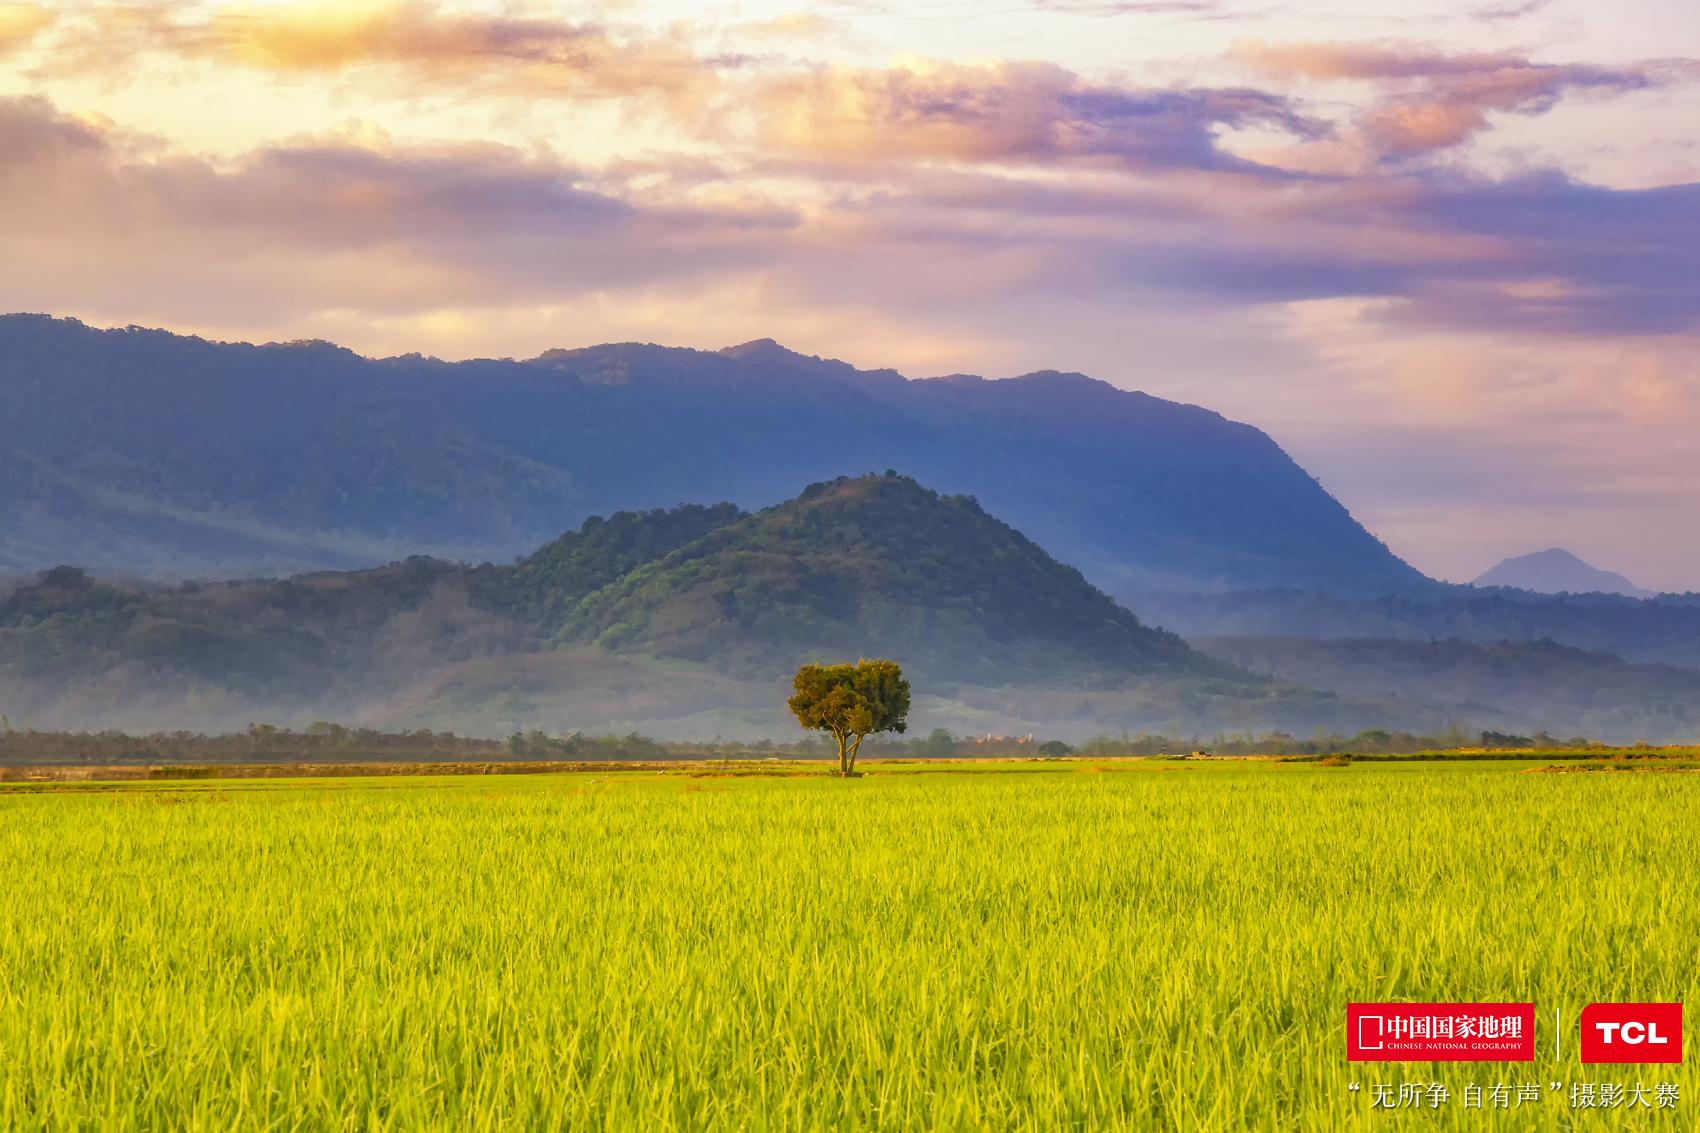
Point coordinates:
pixel 1142 945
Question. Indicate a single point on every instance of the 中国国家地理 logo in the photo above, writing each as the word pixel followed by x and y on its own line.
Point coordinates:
pixel 1440 1032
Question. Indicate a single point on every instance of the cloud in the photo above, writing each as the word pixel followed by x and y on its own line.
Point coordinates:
pixel 944 213
pixel 20 24
pixel 801 25
pixel 1008 112
pixel 915 110
pixel 1513 10
pixel 1004 111
pixel 94 219
pixel 1434 101
pixel 1537 253
pixel 419 42
pixel 1582 259
pixel 1192 9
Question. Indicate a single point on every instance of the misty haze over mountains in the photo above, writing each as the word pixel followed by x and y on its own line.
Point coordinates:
pixel 1075 520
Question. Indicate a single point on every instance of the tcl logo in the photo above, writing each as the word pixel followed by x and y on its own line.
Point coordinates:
pixel 1632 1032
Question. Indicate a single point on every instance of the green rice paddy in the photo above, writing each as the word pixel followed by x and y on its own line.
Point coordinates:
pixel 1138 945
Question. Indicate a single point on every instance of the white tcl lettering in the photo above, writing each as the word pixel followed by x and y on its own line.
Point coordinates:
pixel 1632 1033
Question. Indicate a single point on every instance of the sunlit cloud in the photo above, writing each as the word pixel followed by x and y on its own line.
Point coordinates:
pixel 414 42
pixel 479 223
pixel 1432 100
pixel 799 26
pixel 1191 9
pixel 20 24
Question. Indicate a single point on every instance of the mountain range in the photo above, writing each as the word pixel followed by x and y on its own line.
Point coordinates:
pixel 171 457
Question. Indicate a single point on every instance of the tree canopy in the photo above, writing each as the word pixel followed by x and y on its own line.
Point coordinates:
pixel 851 702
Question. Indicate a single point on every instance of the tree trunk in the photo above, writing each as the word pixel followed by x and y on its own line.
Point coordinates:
pixel 844 757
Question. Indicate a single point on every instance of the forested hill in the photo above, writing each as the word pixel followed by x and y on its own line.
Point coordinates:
pixel 876 566
pixel 168 456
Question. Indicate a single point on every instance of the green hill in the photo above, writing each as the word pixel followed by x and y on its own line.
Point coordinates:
pixel 875 566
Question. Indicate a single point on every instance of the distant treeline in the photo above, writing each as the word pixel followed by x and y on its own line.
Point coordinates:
pixel 1370 742
pixel 330 743
pixel 320 742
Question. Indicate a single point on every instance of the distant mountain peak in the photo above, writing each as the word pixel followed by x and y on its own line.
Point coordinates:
pixel 759 346
pixel 1065 377
pixel 1558 571
pixel 767 352
pixel 1552 556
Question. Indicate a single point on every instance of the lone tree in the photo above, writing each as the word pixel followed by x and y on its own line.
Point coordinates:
pixel 852 702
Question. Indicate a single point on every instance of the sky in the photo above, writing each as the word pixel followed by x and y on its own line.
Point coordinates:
pixel 1447 254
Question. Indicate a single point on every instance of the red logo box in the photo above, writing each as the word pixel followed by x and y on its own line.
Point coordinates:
pixel 1440 1032
pixel 1632 1032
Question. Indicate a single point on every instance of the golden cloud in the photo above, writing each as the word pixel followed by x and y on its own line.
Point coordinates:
pixel 420 42
pixel 794 26
pixel 1024 112
pixel 20 24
